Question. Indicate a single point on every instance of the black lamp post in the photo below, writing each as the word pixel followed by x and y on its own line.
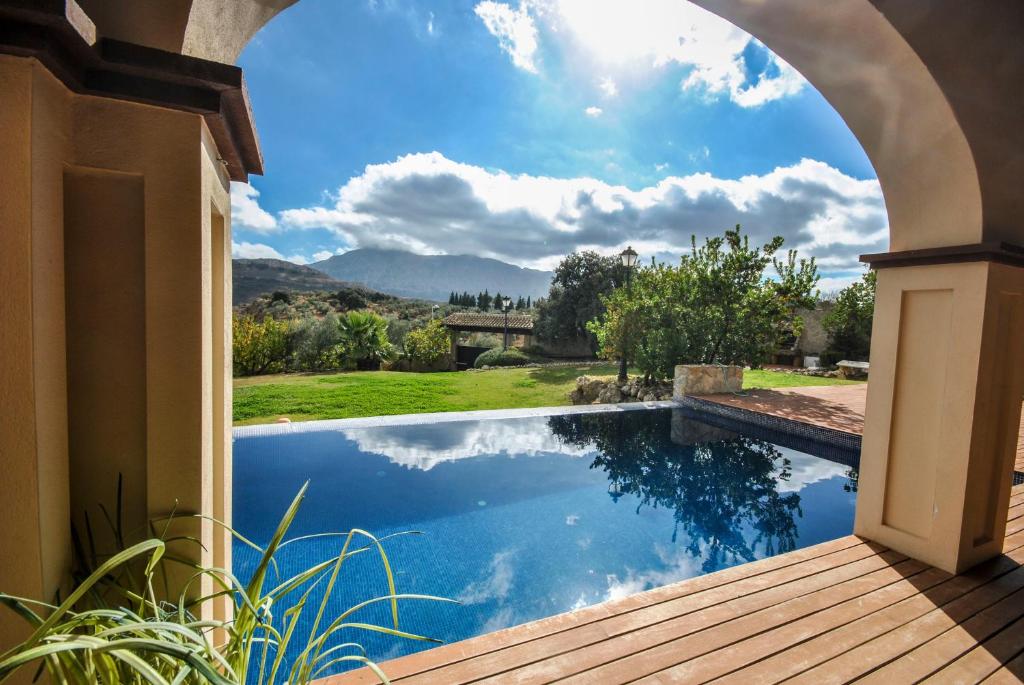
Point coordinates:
pixel 505 303
pixel 628 257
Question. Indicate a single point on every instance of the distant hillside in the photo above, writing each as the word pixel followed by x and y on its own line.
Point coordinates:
pixel 433 277
pixel 254 277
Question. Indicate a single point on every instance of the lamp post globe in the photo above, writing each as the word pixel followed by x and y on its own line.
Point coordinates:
pixel 505 303
pixel 628 257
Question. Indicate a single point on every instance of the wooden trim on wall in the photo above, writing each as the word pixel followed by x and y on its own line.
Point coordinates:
pixel 1002 253
pixel 61 37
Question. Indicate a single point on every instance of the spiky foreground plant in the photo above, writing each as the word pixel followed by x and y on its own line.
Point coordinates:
pixel 137 638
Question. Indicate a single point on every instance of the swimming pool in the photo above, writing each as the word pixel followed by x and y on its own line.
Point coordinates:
pixel 527 517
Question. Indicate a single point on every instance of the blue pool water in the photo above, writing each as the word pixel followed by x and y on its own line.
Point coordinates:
pixel 529 517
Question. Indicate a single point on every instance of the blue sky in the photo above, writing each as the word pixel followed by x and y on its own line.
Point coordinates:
pixel 524 130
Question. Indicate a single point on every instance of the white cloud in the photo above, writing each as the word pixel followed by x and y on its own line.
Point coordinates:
pixel 496 583
pixel 593 111
pixel 322 255
pixel 254 251
pixel 297 259
pixel 514 29
pixel 430 24
pixel 617 35
pixel 423 448
pixel 700 155
pixel 246 211
pixel 431 204
pixel 608 87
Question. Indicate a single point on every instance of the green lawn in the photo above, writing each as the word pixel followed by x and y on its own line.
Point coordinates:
pixel 303 397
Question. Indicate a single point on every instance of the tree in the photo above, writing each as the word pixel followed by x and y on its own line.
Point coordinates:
pixel 316 344
pixel 849 323
pixel 717 307
pixel 364 339
pixel 258 347
pixel 428 345
pixel 575 299
pixel 483 301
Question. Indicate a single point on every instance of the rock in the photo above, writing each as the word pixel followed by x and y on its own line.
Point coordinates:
pixel 706 379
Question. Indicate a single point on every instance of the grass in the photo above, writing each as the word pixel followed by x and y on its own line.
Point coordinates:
pixel 304 397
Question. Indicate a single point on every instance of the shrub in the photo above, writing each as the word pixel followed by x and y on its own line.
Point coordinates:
pixel 114 627
pixel 499 357
pixel 258 346
pixel 428 346
pixel 849 323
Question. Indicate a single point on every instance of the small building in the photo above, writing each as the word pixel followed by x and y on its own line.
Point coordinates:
pixel 518 327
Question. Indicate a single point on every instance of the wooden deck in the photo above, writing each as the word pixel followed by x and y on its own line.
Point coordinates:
pixel 832 613
pixel 844 610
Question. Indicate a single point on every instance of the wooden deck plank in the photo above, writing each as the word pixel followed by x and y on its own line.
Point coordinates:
pixel 878 652
pixel 695 658
pixel 1012 673
pixel 935 654
pixel 788 661
pixel 984 659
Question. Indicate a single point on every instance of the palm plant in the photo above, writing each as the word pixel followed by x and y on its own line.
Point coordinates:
pixel 138 638
pixel 364 338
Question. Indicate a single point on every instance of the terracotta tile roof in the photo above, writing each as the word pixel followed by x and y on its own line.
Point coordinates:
pixel 488 321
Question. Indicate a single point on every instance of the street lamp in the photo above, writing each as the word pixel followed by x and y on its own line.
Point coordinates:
pixel 628 257
pixel 506 302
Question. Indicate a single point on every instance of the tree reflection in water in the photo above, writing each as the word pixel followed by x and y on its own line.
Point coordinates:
pixel 717 483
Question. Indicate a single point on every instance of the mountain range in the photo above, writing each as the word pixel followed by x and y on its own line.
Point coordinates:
pixel 254 277
pixel 433 277
pixel 404 274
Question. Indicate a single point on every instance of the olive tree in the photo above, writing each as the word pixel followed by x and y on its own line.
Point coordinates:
pixel 718 306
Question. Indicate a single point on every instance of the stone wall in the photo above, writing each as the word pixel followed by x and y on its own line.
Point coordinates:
pixel 706 379
pixel 814 339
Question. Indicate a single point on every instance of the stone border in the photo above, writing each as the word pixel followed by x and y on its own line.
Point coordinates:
pixel 262 429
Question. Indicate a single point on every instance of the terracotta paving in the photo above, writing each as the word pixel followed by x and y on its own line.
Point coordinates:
pixel 840 407
pixel 844 610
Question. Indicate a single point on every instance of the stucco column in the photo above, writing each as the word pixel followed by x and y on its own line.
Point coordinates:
pixel 35 542
pixel 115 263
pixel 944 403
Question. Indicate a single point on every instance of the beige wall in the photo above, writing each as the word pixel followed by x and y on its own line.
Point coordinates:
pixel 104 247
pixel 143 201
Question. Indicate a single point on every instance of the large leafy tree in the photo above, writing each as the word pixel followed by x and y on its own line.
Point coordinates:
pixel 848 324
pixel 577 288
pixel 719 306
